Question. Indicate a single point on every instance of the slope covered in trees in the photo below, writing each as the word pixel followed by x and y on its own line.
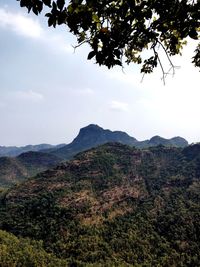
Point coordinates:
pixel 25 252
pixel 15 170
pixel 113 206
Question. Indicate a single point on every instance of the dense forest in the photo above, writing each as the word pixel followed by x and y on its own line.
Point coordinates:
pixel 110 206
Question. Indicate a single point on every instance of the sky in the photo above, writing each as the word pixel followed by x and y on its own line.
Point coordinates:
pixel 48 91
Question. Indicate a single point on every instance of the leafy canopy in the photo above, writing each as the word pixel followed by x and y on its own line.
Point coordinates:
pixel 119 31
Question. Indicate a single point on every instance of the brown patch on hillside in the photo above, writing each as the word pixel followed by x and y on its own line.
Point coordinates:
pixel 92 220
pixel 119 212
pixel 34 187
pixel 92 208
pixel 60 185
pixel 78 199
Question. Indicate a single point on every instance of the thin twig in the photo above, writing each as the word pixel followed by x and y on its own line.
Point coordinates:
pixel 161 66
pixel 142 77
pixel 172 66
pixel 168 57
pixel 78 45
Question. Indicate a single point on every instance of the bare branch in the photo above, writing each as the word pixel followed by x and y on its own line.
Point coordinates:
pixel 78 45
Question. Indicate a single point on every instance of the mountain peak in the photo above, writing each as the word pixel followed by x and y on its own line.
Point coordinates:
pixel 157 140
pixel 175 141
pixel 156 137
pixel 92 136
pixel 94 126
pixel 91 127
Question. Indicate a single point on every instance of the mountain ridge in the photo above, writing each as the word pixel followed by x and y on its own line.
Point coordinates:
pixel 14 151
pixel 94 135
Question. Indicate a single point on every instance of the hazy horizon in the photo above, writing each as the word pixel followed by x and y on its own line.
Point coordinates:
pixel 138 139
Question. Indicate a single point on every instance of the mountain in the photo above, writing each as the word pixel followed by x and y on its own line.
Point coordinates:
pixel 157 140
pixel 93 135
pixel 13 151
pixel 14 170
pixel 113 206
pixel 44 156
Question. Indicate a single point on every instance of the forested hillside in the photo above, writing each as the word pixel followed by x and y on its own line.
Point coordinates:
pixel 113 206
pixel 25 252
pixel 15 170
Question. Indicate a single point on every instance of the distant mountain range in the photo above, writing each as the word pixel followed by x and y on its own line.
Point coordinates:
pixel 93 136
pixel 13 151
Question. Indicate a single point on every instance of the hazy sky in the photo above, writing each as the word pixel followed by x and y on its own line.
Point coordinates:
pixel 48 92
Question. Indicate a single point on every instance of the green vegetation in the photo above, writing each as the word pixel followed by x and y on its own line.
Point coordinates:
pixel 119 31
pixel 15 170
pixel 25 252
pixel 112 206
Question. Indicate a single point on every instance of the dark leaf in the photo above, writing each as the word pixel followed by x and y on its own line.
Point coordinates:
pixel 35 10
pixel 118 62
pixel 47 2
pixel 193 34
pixel 91 55
pixel 50 21
pixel 60 4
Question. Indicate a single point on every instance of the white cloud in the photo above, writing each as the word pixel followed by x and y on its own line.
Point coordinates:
pixel 80 91
pixel 29 95
pixel 58 42
pixel 29 27
pixel 129 77
pixel 85 91
pixel 119 106
pixel 20 24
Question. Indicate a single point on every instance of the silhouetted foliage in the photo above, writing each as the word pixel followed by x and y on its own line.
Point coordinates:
pixel 122 30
